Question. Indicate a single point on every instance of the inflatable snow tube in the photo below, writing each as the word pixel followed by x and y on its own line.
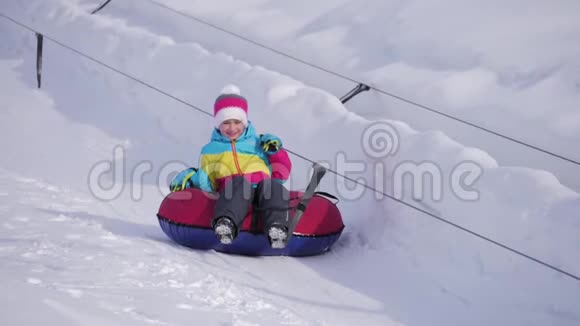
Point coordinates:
pixel 185 217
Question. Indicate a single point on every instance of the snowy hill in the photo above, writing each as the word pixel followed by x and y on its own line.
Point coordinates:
pixel 490 63
pixel 79 241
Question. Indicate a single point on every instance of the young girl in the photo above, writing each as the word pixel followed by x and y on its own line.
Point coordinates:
pixel 245 169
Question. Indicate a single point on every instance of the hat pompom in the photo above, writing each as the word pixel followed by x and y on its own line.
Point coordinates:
pixel 231 89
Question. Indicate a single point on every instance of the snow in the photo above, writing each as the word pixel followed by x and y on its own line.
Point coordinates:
pixel 490 63
pixel 88 158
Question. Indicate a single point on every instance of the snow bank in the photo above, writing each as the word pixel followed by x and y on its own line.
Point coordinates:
pixel 495 65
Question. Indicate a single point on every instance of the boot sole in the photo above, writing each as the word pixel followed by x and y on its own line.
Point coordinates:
pixel 277 238
pixel 224 234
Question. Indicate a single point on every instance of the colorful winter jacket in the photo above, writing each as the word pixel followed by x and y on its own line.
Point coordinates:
pixel 221 159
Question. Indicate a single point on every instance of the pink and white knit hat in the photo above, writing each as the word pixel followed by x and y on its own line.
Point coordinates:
pixel 230 105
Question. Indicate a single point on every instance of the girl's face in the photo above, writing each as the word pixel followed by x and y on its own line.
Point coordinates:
pixel 232 129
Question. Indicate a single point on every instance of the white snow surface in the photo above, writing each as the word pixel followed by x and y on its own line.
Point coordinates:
pixel 86 161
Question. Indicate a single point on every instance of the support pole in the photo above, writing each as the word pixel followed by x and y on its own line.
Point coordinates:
pixel 39 42
pixel 358 89
pixel 100 7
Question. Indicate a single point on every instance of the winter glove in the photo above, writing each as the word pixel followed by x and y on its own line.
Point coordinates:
pixel 270 143
pixel 183 180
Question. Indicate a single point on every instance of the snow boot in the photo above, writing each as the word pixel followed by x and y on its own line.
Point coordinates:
pixel 278 236
pixel 225 230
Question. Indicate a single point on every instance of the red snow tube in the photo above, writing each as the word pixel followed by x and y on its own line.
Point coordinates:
pixel 185 216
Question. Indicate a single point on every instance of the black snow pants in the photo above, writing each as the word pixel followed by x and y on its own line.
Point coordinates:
pixel 270 198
